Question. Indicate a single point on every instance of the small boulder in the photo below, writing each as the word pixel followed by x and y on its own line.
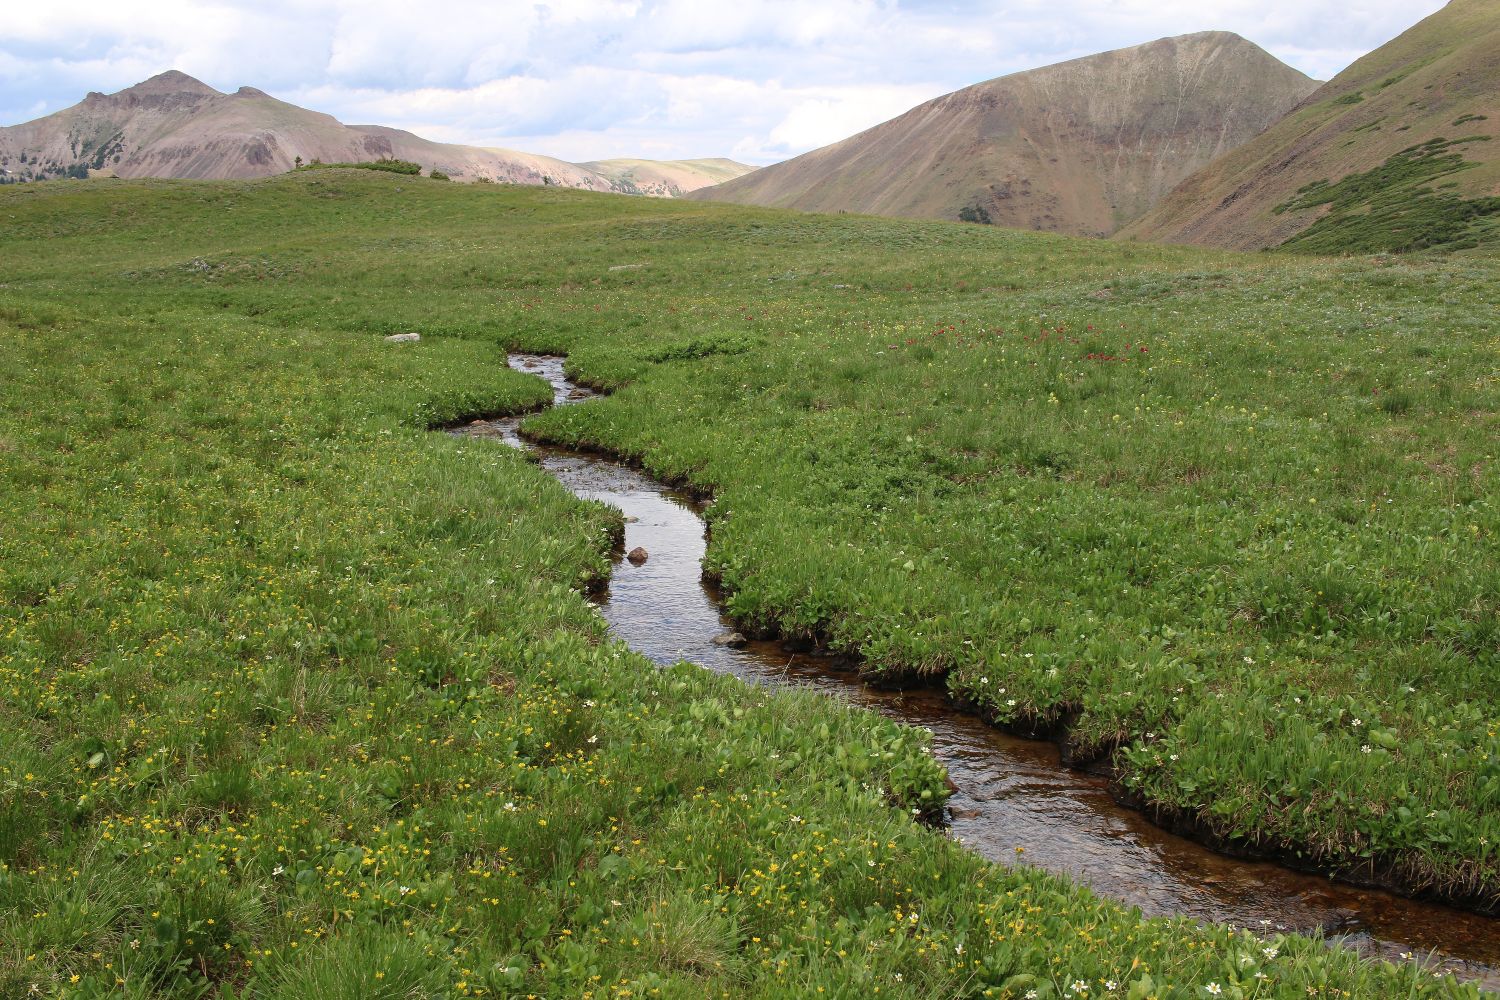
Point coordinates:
pixel 1340 920
pixel 403 338
pixel 579 394
pixel 638 555
pixel 731 639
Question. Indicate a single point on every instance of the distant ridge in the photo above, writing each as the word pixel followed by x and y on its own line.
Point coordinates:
pixel 175 126
pixel 1397 152
pixel 1081 147
pixel 669 178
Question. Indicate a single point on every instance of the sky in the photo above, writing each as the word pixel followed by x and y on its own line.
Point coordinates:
pixel 755 80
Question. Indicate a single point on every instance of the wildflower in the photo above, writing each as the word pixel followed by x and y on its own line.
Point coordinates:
pixel 1366 748
pixel 1356 723
pixel 1213 989
pixel 1111 985
pixel 1270 953
pixel 1078 987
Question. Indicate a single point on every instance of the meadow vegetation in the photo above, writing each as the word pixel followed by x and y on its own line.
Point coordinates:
pixel 385 164
pixel 300 699
pixel 1399 206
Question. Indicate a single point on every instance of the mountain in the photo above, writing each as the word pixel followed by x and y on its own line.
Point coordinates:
pixel 1397 152
pixel 175 126
pixel 667 178
pixel 1081 147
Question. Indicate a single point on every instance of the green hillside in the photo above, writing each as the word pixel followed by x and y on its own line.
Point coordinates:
pixel 1396 153
pixel 302 700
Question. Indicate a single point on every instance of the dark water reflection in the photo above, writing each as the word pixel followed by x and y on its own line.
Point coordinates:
pixel 1012 793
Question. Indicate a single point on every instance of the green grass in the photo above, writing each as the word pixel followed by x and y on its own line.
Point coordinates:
pixel 1392 209
pixel 1235 522
pixel 384 164
pixel 300 699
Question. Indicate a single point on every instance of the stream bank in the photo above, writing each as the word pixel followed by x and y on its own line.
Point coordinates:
pixel 1016 799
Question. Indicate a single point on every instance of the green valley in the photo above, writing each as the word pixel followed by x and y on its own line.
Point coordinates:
pixel 301 699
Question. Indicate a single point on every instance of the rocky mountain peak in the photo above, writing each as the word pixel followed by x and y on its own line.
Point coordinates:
pixel 171 82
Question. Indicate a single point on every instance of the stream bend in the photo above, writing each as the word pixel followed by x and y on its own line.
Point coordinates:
pixel 1012 793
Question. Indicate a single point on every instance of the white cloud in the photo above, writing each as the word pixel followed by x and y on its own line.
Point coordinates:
pixel 584 79
pixel 811 120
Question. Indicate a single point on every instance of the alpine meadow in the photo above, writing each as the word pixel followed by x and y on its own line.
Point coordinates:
pixel 301 699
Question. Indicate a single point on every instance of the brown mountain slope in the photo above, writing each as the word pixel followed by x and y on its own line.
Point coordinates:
pixel 1370 162
pixel 1081 147
pixel 175 126
pixel 668 178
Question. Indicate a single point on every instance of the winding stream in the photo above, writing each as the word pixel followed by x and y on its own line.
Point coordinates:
pixel 1012 793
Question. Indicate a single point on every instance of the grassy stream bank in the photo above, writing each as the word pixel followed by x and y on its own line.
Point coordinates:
pixel 300 699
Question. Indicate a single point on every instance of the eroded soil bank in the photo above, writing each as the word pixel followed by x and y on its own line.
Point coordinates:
pixel 1015 799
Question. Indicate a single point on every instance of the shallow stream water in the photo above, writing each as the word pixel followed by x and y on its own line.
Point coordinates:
pixel 1012 793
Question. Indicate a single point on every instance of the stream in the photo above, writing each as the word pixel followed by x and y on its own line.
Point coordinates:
pixel 1012 793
